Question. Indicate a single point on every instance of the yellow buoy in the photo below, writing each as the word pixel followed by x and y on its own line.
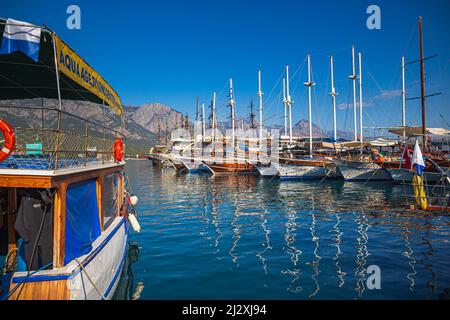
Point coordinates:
pixel 419 192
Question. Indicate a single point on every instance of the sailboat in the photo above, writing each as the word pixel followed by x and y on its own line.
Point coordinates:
pixel 226 164
pixel 361 167
pixel 398 168
pixel 307 168
pixel 264 166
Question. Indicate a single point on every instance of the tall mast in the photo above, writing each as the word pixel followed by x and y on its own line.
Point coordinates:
pixel 285 107
pixel 159 130
pixel 333 98
pixel 260 94
pixel 203 120
pixel 167 132
pixel 214 115
pixel 198 110
pixel 353 78
pixel 422 85
pixel 309 84
pixel 403 97
pixel 289 104
pixel 231 103
pixel 360 100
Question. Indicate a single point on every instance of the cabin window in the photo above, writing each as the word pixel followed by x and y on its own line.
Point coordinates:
pixel 82 219
pixel 110 203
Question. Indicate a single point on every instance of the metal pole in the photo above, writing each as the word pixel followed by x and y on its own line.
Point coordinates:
pixel 57 73
pixel 214 115
pixel 422 85
pixel 333 98
pixel 58 127
pixel 360 100
pixel 260 94
pixel 353 78
pixel 403 98
pixel 231 103
pixel 309 84
pixel 289 104
pixel 285 107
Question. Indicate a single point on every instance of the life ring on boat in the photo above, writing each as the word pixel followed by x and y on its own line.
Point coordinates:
pixel 419 192
pixel 118 150
pixel 10 140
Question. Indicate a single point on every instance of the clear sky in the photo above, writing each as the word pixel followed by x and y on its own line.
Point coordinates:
pixel 171 51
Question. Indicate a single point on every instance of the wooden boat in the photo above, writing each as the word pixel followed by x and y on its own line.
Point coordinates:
pixel 63 191
pixel 221 167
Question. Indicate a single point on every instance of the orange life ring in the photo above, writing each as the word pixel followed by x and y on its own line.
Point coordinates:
pixel 10 140
pixel 118 150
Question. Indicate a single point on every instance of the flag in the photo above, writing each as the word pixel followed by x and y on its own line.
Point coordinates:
pixel 417 159
pixel 21 36
pixel 407 157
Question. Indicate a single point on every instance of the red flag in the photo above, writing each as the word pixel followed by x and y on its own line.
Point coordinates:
pixel 407 158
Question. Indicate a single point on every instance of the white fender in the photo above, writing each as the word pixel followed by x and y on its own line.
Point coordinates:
pixel 134 222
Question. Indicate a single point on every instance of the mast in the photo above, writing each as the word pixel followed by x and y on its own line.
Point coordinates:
pixel 403 97
pixel 231 103
pixel 289 104
pixel 203 120
pixel 252 115
pixel 353 78
pixel 198 110
pixel 422 85
pixel 333 98
pixel 159 130
pixel 309 84
pixel 167 132
pixel 214 115
pixel 360 100
pixel 285 107
pixel 260 94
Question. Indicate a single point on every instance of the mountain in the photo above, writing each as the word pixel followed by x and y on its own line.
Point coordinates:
pixel 141 123
pixel 149 115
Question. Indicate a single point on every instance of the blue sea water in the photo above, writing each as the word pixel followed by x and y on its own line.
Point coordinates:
pixel 251 238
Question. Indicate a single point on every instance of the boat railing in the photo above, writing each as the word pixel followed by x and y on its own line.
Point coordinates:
pixel 48 138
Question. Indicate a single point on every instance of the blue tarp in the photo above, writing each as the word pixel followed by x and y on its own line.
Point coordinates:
pixel 82 220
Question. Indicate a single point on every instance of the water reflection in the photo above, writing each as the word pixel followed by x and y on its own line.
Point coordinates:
pixel 255 238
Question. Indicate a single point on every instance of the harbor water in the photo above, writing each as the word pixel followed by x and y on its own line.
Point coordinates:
pixel 244 237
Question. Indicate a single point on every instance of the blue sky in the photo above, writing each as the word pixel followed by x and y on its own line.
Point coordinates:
pixel 171 51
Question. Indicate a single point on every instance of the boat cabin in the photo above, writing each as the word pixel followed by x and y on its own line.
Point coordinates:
pixel 63 226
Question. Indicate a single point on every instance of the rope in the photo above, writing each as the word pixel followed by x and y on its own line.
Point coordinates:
pixel 90 280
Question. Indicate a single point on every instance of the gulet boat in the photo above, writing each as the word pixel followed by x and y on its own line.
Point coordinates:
pixel 64 203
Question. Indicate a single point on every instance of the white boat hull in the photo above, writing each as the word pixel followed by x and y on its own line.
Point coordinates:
pixel 96 275
pixel 406 176
pixel 362 171
pixel 270 170
pixel 292 171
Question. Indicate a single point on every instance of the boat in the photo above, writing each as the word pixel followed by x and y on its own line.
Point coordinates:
pixel 311 167
pixel 63 188
pixel 362 169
